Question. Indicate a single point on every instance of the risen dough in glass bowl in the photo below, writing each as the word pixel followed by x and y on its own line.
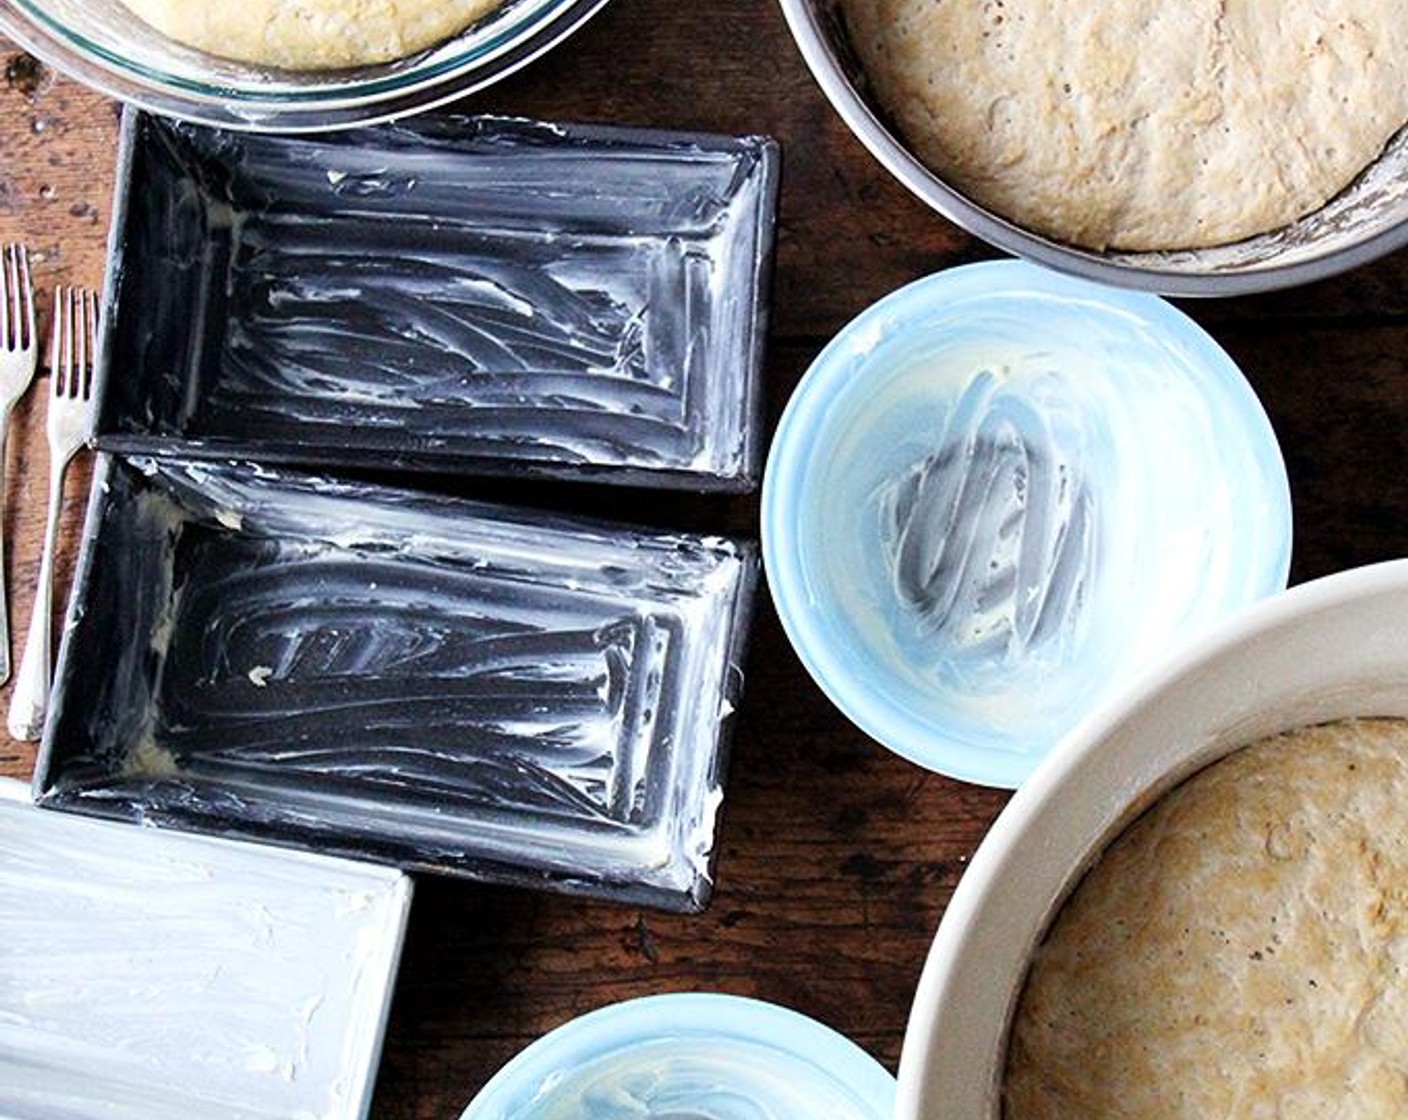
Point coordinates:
pixel 312 34
pixel 101 43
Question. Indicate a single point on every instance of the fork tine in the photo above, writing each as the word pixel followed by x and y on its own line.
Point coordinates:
pixel 80 345
pixel 70 341
pixel 71 302
pixel 6 286
pixel 56 342
pixel 80 339
pixel 91 333
pixel 27 292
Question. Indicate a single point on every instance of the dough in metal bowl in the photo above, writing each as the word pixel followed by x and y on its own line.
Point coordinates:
pixel 1135 125
pixel 311 34
pixel 1240 952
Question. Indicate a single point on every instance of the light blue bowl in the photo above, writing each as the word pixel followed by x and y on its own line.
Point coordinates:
pixel 703 1056
pixel 998 493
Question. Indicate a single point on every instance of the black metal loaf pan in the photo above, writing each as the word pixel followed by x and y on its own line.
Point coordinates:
pixel 438 684
pixel 456 294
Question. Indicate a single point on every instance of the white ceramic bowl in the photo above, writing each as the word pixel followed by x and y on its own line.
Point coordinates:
pixel 1331 649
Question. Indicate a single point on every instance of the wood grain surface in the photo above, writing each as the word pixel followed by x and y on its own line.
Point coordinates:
pixel 837 858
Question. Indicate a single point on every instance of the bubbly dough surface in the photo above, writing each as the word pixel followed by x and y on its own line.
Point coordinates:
pixel 1240 952
pixel 311 34
pixel 1136 125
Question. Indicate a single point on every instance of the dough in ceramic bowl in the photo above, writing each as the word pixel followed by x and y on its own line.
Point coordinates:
pixel 1135 125
pixel 1240 952
pixel 311 34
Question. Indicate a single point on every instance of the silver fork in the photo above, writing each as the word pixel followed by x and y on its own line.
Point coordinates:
pixel 69 427
pixel 19 355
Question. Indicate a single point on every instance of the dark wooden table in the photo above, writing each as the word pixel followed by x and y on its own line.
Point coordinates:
pixel 837 858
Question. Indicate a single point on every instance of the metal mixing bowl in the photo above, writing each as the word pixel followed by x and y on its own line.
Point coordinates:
pixel 1365 221
pixel 104 45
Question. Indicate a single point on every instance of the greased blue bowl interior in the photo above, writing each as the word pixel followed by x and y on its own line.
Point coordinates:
pixel 702 1055
pixel 998 493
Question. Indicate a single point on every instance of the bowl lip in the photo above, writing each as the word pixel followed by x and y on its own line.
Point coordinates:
pixel 1051 784
pixel 904 733
pixel 347 106
pixel 707 1015
pixel 815 46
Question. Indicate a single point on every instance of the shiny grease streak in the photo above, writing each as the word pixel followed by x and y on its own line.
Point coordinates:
pixel 990 538
pixel 154 976
pixel 1008 498
pixel 445 685
pixel 461 293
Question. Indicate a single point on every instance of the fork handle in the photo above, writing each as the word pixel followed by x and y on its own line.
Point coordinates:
pixel 29 703
pixel 4 595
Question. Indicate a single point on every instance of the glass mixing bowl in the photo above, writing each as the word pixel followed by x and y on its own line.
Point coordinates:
pixel 101 43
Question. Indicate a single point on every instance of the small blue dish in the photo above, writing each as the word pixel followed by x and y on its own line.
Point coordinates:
pixel 700 1055
pixel 998 493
